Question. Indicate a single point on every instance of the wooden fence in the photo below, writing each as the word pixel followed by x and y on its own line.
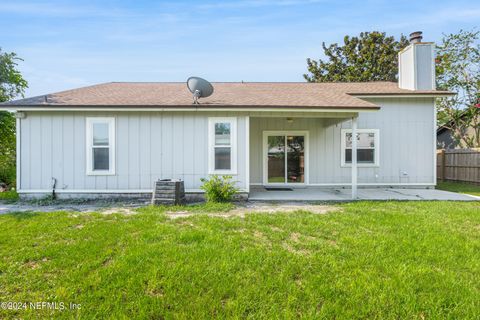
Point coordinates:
pixel 459 165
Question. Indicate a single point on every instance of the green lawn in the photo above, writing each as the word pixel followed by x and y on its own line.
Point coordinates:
pixel 375 260
pixel 459 187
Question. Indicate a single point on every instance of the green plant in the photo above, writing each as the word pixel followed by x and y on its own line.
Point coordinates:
pixel 9 196
pixel 7 175
pixel 219 188
pixel 457 69
pixel 370 56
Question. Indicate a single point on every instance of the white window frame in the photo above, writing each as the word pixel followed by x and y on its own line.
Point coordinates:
pixel 111 145
pixel 233 145
pixel 376 153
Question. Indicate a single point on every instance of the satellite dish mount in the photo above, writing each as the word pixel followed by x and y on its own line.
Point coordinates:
pixel 200 88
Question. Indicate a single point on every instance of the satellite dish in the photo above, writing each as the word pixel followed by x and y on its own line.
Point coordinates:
pixel 200 88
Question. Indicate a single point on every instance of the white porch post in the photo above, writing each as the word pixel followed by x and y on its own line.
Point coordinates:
pixel 354 158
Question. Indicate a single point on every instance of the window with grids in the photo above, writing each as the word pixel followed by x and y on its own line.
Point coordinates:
pixel 100 146
pixel 222 142
pixel 367 147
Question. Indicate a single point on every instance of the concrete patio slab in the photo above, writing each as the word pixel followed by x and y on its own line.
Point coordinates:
pixel 341 194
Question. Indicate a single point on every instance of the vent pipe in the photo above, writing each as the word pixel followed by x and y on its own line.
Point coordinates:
pixel 416 37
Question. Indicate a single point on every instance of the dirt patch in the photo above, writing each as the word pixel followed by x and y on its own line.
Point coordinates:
pixel 125 211
pixel 291 249
pixel 155 292
pixel 179 214
pixel 295 237
pixel 34 264
pixel 266 208
pixel 108 261
pixel 276 229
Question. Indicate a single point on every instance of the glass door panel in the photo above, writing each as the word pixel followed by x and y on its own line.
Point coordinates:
pixel 276 159
pixel 295 159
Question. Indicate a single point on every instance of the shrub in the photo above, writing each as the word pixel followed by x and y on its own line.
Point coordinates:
pixel 7 175
pixel 219 188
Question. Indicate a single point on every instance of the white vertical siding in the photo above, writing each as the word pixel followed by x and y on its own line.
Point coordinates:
pixel 149 146
pixel 153 145
pixel 416 67
pixel 406 138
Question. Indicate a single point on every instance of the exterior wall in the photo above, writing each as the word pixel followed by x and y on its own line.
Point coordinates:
pixel 157 145
pixel 425 67
pixel 406 66
pixel 407 144
pixel 416 67
pixel 149 146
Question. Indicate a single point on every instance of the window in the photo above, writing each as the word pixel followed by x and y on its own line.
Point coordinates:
pixel 367 147
pixel 100 146
pixel 222 141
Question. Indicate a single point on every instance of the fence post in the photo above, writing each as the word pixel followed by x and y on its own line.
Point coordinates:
pixel 443 165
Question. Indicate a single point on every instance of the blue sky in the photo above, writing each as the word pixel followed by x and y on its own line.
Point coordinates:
pixel 68 44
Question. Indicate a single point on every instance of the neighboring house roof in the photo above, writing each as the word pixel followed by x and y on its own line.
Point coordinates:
pixel 226 94
pixel 445 126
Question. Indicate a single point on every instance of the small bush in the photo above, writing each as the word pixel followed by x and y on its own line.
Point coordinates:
pixel 219 188
pixel 11 195
pixel 7 175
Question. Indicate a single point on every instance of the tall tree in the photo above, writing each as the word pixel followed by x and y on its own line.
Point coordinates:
pixel 12 85
pixel 458 70
pixel 372 56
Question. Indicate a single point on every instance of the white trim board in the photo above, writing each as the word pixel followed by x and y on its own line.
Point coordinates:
pixel 247 153
pixel 18 135
pixel 360 184
pixel 89 122
pixel 181 109
pixel 212 121
pixel 376 149
pixel 106 191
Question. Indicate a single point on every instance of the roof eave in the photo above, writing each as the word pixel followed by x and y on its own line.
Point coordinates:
pixel 178 108
pixel 403 95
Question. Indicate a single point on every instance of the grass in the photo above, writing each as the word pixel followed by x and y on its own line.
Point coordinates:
pixel 459 187
pixel 9 196
pixel 383 260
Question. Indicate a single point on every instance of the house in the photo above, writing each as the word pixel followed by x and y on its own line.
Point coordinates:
pixel 445 137
pixel 117 139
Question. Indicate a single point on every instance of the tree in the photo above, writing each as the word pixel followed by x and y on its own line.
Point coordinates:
pixel 458 70
pixel 372 56
pixel 12 85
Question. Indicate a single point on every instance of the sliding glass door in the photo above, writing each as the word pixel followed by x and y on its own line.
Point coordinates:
pixel 285 158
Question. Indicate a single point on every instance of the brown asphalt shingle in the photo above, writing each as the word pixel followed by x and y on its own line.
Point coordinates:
pixel 226 94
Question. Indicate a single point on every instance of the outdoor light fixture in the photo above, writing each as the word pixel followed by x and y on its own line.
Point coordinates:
pixel 289 120
pixel 20 115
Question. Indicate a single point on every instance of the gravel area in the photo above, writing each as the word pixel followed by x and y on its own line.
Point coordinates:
pixel 129 208
pixel 107 208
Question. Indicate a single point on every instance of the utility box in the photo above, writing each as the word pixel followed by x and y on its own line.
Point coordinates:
pixel 168 192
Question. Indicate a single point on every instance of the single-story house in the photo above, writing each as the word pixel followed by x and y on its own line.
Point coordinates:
pixel 445 137
pixel 119 138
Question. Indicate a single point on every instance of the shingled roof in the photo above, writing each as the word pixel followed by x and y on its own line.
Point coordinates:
pixel 226 94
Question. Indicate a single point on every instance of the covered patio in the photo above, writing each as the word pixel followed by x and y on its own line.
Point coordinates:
pixel 340 194
pixel 297 150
